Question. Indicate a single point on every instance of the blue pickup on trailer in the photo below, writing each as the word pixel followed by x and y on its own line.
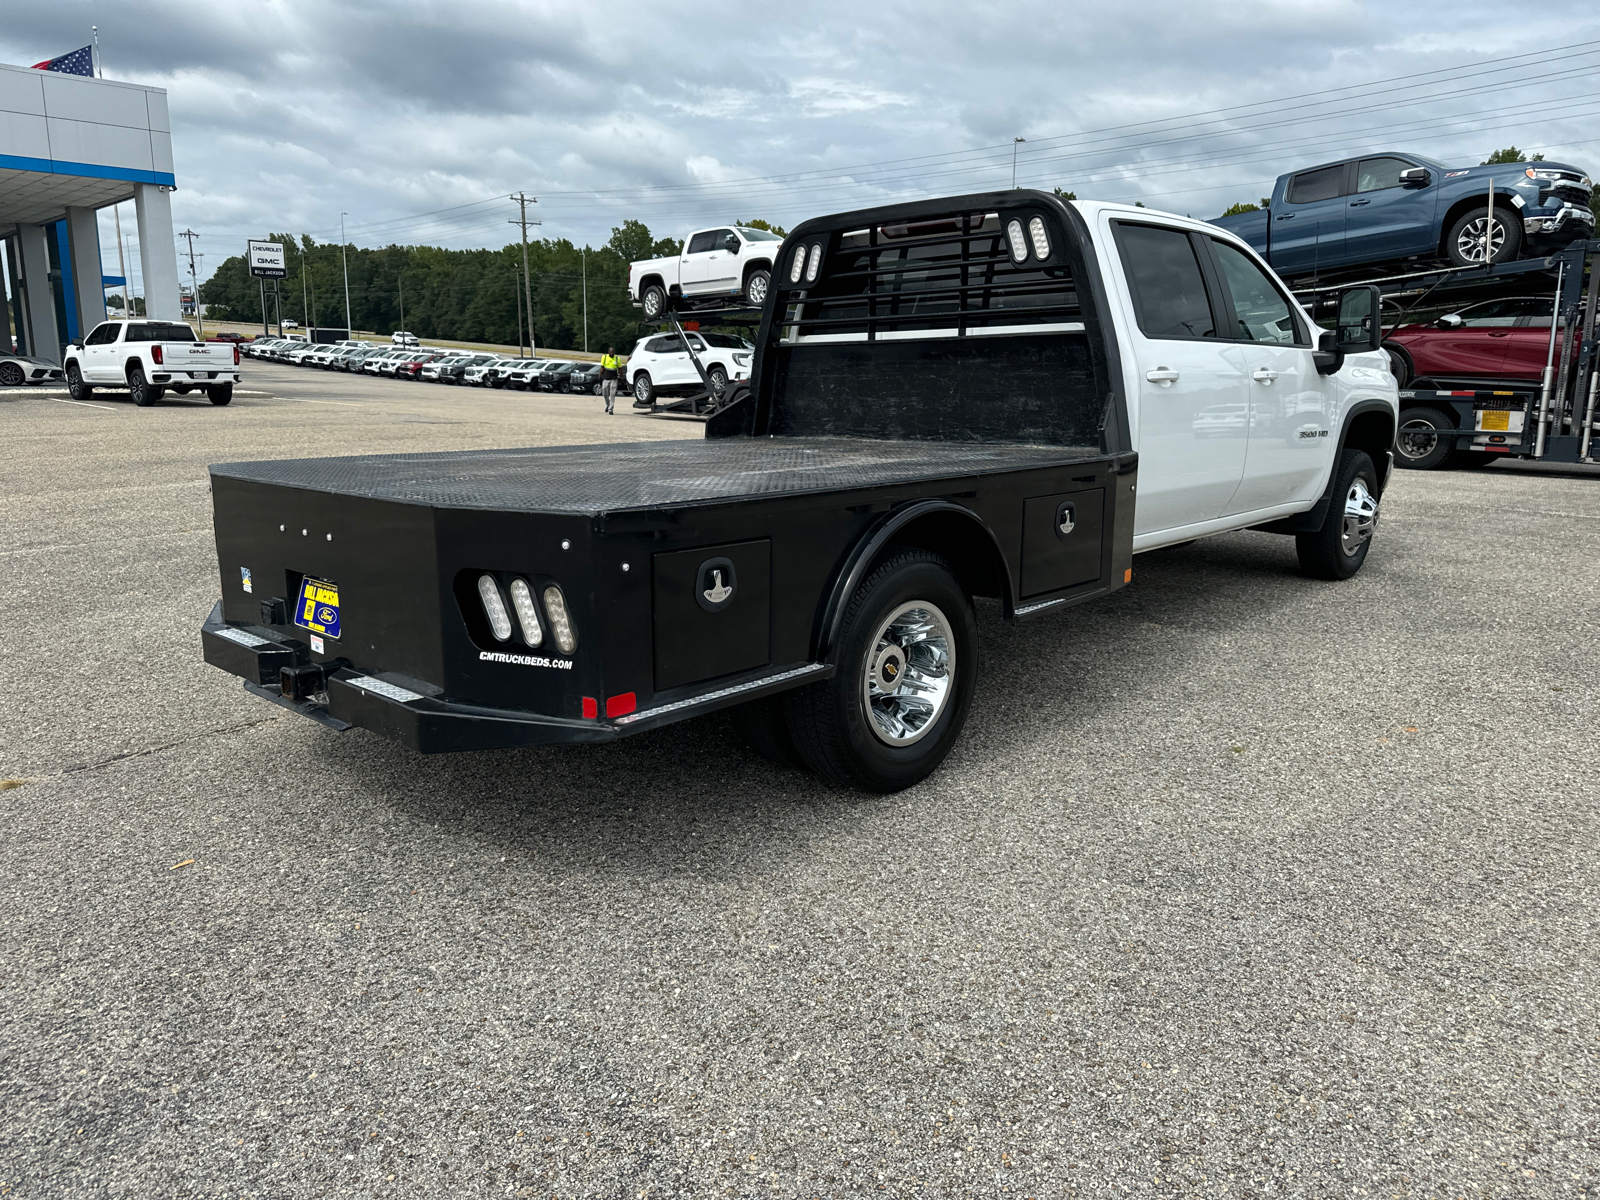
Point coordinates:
pixel 1381 207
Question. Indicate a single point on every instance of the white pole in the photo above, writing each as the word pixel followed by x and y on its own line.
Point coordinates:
pixel 122 260
pixel 349 330
pixel 1015 142
pixel 585 254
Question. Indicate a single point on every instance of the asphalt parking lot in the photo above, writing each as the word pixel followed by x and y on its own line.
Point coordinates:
pixel 1238 884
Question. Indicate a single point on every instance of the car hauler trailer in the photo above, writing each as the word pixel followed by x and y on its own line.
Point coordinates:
pixel 946 402
pixel 1545 410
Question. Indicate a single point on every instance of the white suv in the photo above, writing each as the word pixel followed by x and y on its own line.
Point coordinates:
pixel 659 365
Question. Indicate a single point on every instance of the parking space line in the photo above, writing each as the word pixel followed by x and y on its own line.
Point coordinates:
pixel 85 403
pixel 346 403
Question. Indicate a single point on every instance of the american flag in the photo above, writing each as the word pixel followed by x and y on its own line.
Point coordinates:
pixel 79 62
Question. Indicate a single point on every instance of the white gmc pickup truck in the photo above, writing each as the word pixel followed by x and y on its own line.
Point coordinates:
pixel 712 265
pixel 147 357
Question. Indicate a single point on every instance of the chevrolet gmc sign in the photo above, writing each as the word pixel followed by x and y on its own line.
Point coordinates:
pixel 266 260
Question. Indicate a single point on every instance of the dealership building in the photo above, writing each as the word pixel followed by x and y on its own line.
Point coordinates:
pixel 69 146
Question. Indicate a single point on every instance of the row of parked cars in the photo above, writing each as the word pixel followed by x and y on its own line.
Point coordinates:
pixel 430 365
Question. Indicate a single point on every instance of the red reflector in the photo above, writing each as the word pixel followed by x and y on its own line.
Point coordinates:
pixel 155 353
pixel 692 326
pixel 621 706
pixel 591 710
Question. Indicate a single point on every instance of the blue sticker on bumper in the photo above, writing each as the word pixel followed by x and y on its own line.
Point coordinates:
pixel 317 609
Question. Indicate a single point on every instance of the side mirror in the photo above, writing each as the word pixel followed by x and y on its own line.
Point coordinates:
pixel 1360 320
pixel 1416 177
pixel 1327 356
pixel 1450 321
pixel 732 244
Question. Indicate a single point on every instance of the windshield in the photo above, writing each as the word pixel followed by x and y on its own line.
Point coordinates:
pixel 758 235
pixel 727 341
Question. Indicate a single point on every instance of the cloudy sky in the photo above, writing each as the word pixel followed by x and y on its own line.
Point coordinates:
pixel 418 118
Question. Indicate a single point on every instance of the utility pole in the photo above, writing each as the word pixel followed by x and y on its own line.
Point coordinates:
pixel 305 294
pixel 516 287
pixel 585 253
pixel 349 330
pixel 194 282
pixel 401 280
pixel 1015 142
pixel 527 288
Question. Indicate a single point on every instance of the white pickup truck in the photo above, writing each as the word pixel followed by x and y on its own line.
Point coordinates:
pixel 712 265
pixel 147 358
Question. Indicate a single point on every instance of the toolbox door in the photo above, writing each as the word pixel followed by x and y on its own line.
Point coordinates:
pixel 712 611
pixel 1061 539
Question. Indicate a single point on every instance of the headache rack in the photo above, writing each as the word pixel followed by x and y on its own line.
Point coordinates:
pixel 942 277
pixel 967 319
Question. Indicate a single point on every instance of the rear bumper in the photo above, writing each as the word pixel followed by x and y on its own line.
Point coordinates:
pixel 432 725
pixel 230 375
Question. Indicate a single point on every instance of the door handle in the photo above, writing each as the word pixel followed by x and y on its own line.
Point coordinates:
pixel 1162 376
pixel 1264 375
pixel 1506 333
pixel 1286 217
pixel 1359 203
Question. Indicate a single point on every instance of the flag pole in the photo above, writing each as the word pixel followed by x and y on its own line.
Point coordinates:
pixel 98 70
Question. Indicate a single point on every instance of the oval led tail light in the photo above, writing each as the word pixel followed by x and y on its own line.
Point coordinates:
pixel 1019 244
pixel 494 607
pixel 555 607
pixel 815 264
pixel 1041 241
pixel 799 267
pixel 527 612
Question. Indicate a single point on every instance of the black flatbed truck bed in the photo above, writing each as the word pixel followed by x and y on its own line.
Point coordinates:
pixel 405 537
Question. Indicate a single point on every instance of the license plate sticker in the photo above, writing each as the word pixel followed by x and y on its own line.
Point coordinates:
pixel 318 607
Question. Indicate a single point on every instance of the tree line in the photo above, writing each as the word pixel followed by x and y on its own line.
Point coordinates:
pixel 455 295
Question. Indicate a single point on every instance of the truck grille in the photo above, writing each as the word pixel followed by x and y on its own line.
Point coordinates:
pixel 946 276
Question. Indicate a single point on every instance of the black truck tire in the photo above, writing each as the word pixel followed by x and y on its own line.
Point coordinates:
pixel 1464 242
pixel 76 387
pixel 653 300
pixel 144 392
pixel 1337 550
pixel 644 390
pixel 220 393
pixel 1419 445
pixel 756 287
pixel 765 729
pixel 718 375
pixel 908 623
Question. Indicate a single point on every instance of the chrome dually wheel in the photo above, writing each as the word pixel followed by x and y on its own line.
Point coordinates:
pixel 1360 518
pixel 910 673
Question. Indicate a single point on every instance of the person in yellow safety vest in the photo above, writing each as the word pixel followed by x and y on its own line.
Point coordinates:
pixel 610 364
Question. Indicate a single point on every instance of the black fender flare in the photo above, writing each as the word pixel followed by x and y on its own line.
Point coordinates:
pixel 858 561
pixel 131 364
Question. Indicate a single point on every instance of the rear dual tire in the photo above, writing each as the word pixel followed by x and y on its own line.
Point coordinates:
pixel 907 664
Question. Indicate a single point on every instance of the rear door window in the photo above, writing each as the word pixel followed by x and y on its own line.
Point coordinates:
pixel 1164 276
pixel 1322 184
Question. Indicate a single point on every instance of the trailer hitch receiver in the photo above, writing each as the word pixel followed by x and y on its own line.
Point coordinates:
pixel 303 682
